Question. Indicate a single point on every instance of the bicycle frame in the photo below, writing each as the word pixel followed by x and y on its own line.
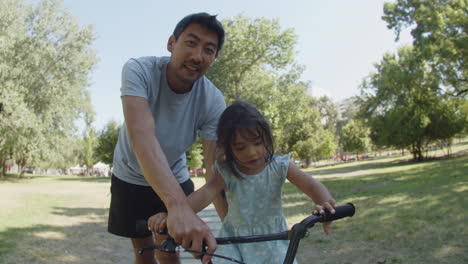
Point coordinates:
pixel 297 232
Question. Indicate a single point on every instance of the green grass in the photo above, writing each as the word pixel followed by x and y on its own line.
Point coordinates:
pixel 406 213
pixel 57 219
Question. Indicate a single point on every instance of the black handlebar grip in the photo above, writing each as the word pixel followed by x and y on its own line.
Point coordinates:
pixel 340 212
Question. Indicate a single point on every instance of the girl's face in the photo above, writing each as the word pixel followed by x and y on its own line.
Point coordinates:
pixel 249 152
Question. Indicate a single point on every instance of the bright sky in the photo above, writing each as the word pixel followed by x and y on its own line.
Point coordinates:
pixel 338 41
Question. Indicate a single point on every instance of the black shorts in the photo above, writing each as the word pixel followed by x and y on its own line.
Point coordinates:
pixel 130 203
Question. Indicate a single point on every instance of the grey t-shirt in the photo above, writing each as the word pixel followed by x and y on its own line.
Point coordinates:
pixel 178 117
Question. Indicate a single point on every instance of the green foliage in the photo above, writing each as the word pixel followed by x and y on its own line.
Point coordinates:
pixel 320 145
pixel 107 139
pixel 355 137
pixel 253 46
pixel 403 107
pixel 45 59
pixel 328 112
pixel 257 65
pixel 464 112
pixel 439 29
pixel 195 156
pixel 89 144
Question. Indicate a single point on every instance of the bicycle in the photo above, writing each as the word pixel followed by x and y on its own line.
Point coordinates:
pixel 294 235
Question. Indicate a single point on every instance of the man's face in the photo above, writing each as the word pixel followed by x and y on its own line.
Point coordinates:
pixel 192 54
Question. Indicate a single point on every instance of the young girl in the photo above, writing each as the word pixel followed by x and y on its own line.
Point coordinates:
pixel 252 178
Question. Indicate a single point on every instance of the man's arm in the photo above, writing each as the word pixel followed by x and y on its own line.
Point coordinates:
pixel 220 203
pixel 183 225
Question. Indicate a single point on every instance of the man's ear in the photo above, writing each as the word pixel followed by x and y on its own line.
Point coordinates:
pixel 170 43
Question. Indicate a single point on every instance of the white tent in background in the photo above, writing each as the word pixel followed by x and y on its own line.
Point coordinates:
pixel 76 170
pixel 101 166
pixel 101 169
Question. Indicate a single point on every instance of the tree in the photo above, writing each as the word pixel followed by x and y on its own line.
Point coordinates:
pixel 355 137
pixel 107 139
pixel 254 46
pixel 45 59
pixel 348 110
pixel 327 109
pixel 439 29
pixel 402 105
pixel 195 156
pixel 257 65
pixel 89 144
pixel 320 145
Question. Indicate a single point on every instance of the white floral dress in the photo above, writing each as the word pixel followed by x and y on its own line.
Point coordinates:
pixel 255 208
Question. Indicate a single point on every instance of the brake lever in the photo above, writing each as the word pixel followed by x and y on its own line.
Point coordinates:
pixel 168 245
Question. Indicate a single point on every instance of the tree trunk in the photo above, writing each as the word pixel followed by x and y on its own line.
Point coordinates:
pixel 21 166
pixel 3 170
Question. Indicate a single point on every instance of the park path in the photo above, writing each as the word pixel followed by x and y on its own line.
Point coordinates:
pixel 210 217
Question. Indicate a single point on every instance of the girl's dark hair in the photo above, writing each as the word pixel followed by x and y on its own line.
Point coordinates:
pixel 204 19
pixel 243 117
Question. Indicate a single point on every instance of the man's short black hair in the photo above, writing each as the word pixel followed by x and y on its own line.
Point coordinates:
pixel 203 19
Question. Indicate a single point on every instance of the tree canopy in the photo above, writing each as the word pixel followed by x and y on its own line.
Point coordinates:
pixel 403 107
pixel 45 61
pixel 257 65
pixel 440 32
pixel 107 139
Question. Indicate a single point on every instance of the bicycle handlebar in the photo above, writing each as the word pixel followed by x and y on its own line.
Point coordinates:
pixel 342 211
pixel 297 232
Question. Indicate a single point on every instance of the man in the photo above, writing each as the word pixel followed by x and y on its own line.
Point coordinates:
pixel 166 102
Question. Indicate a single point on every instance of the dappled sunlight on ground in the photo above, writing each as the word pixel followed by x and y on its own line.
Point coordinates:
pixel 289 205
pixel 463 188
pixel 449 250
pixel 50 235
pixel 394 199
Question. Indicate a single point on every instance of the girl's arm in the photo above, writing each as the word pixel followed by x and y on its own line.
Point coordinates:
pixel 209 153
pixel 314 189
pixel 202 197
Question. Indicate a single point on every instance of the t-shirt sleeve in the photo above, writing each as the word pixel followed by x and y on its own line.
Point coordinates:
pixel 208 128
pixel 134 80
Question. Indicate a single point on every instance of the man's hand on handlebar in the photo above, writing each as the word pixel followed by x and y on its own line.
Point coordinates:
pixel 187 230
pixel 320 209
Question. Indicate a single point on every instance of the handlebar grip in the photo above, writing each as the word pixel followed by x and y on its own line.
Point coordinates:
pixel 340 212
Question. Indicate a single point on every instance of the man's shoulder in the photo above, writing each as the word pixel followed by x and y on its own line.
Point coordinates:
pixel 150 63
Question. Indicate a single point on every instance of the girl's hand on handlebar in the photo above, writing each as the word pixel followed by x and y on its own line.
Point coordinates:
pixel 157 223
pixel 320 209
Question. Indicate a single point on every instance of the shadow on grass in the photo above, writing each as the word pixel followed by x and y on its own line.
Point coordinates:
pixel 437 178
pixel 86 179
pixel 85 242
pixel 14 178
pixel 382 162
pixel 73 212
pixel 415 214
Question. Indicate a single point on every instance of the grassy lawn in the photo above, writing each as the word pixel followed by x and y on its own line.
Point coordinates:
pixel 406 213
